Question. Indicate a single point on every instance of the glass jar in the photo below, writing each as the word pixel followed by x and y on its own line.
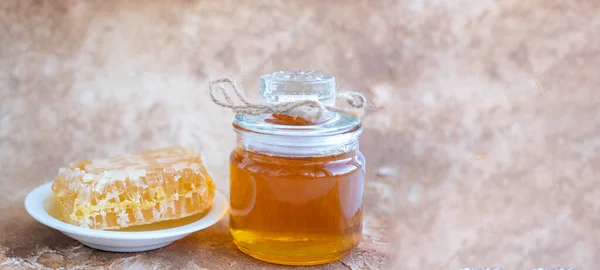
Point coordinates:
pixel 296 185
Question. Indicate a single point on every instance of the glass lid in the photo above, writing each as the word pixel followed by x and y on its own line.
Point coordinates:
pixel 289 86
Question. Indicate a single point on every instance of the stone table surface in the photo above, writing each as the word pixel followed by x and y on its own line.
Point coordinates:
pixel 484 149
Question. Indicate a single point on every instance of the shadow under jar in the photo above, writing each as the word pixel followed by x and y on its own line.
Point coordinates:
pixel 296 185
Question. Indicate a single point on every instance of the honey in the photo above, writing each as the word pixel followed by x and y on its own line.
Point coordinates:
pixel 133 190
pixel 296 184
pixel 52 208
pixel 296 210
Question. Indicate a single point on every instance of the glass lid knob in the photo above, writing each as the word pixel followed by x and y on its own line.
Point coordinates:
pixel 289 86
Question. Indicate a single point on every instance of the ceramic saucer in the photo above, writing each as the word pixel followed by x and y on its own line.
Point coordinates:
pixel 39 203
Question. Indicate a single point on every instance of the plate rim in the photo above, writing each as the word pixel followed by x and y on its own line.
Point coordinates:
pixel 34 205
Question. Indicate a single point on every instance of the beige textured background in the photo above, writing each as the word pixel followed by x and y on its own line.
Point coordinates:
pixel 485 150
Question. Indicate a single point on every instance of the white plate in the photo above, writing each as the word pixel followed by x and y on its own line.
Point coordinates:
pixel 37 205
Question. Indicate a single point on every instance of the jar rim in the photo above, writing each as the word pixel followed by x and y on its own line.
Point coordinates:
pixel 333 124
pixel 299 144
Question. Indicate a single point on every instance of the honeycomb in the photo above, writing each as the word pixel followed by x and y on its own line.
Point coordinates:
pixel 136 189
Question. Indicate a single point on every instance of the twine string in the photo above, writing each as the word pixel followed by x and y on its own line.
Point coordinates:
pixel 308 109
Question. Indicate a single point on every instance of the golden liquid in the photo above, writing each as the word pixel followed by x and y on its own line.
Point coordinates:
pixel 296 211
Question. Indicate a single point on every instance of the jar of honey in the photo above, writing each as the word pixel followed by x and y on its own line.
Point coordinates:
pixel 296 184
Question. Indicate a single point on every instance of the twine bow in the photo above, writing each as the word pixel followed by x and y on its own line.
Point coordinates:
pixel 307 109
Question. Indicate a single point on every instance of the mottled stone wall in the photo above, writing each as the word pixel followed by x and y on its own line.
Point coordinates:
pixel 485 149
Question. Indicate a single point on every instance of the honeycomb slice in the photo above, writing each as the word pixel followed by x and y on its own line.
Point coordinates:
pixel 131 190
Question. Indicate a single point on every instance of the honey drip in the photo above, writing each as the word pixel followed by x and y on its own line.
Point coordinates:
pixel 282 119
pixel 293 210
